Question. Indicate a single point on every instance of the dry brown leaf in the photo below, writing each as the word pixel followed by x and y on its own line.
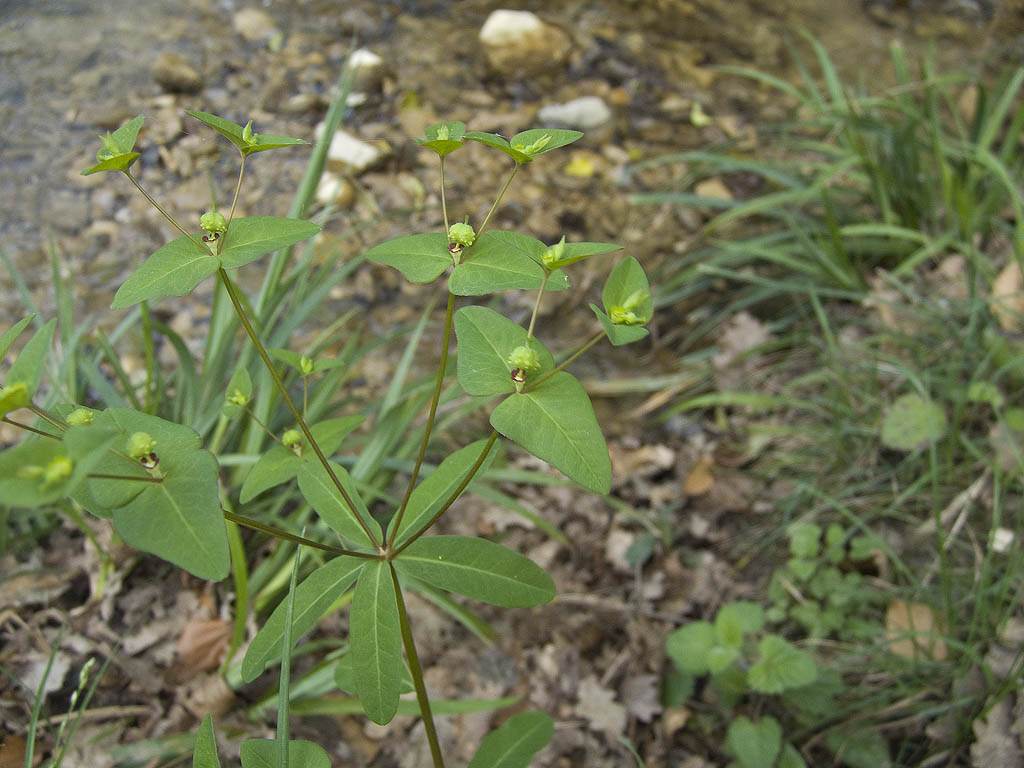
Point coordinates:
pixel 713 188
pixel 201 644
pixel 12 751
pixel 598 706
pixel 1008 297
pixel 699 480
pixel 995 743
pixel 640 693
pixel 913 629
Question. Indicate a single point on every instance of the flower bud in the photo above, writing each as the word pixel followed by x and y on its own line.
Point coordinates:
pixel 80 417
pixel 213 222
pixel 305 365
pixel 238 398
pixel 13 396
pixel 462 234
pixel 140 445
pixel 57 471
pixel 249 136
pixel 524 358
pixel 554 253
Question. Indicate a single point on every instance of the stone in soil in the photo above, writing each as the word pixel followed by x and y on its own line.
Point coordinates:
pixel 176 75
pixel 519 44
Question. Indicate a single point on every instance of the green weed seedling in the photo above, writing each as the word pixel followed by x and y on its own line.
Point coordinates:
pixel 160 485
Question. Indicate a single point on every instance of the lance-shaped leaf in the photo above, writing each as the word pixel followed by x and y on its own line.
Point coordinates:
pixel 279 464
pixel 254 236
pixel 262 753
pixel 514 744
pixel 375 642
pixel 242 137
pixel 180 518
pixel 573 252
pixel 537 141
pixel 345 676
pixel 420 258
pixel 116 153
pixel 173 270
pixel 556 422
pixel 498 142
pixel 11 334
pixel 443 138
pixel 435 489
pixel 495 262
pixel 28 366
pixel 486 340
pixel 477 568
pixel 313 597
pixel 204 750
pixel 319 490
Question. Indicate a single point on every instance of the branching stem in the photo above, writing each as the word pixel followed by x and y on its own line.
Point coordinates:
pixel 165 214
pixel 501 194
pixel 244 318
pixel 279 533
pixel 561 366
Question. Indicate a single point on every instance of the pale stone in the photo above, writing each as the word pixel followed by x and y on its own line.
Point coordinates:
pixel 175 74
pixel 520 44
pixel 347 151
pixel 254 24
pixel 583 114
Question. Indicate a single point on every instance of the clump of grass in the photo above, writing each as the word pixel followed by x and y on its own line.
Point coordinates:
pixel 878 228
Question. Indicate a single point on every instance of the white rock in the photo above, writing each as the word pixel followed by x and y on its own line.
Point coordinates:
pixel 347 151
pixel 583 114
pixel 519 44
pixel 504 27
pixel 370 70
pixel 254 24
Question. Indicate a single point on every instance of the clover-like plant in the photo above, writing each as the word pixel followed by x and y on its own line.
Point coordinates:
pixel 160 486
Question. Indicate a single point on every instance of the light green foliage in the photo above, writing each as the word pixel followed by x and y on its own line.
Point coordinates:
pixel 514 744
pixel 756 745
pixel 781 666
pixel 478 569
pixel 556 422
pixel 262 753
pixel 375 642
pixel 116 153
pixel 11 334
pixel 313 597
pixel 162 489
pixel 913 422
pixel 204 751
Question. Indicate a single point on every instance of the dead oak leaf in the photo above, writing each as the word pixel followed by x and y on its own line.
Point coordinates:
pixel 598 706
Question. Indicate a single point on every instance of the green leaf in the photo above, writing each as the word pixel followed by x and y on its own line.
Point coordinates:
pixel 204 750
pixel 36 472
pixel 255 236
pixel 627 294
pixel 443 138
pixel 11 334
pixel 514 744
pixel 435 489
pixel 556 422
pixel 756 745
pixel 791 758
pixel 547 139
pixel 804 540
pixel 235 133
pixel 495 263
pixel 486 339
pixel 859 748
pixel 174 270
pixel 420 258
pixel 279 464
pixel 180 519
pixel 496 141
pixel 619 335
pixel 173 442
pixel 781 666
pixel 913 422
pixel 262 753
pixel 478 569
pixel 345 676
pixel 319 490
pixel 518 247
pixel 239 384
pixel 28 367
pixel 734 620
pixel 117 154
pixel 574 252
pixel 720 658
pixel 689 646
pixel 376 643
pixel 313 597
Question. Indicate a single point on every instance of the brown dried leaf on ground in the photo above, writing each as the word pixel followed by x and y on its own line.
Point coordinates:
pixel 995 743
pixel 1008 297
pixel 200 646
pixel 598 706
pixel 640 693
pixel 739 334
pixel 914 630
pixel 699 480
